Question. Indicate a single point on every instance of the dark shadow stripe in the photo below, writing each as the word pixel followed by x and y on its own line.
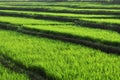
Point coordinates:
pixel 108 47
pixel 111 17
pixel 34 73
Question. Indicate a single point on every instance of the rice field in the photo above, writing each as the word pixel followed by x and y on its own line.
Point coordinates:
pixel 59 41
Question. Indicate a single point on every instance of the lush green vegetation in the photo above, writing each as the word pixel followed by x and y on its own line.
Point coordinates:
pixel 27 21
pixel 110 21
pixel 63 60
pixel 59 41
pixel 97 34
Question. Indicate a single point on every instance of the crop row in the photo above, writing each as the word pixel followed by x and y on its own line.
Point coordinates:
pixel 110 21
pixel 81 33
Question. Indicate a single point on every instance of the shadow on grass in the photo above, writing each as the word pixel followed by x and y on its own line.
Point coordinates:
pixel 34 73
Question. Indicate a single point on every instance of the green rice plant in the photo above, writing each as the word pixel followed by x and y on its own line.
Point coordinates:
pixel 64 61
pixel 18 20
pixel 110 21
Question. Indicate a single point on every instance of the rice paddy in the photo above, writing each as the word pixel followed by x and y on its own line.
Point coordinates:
pixel 59 41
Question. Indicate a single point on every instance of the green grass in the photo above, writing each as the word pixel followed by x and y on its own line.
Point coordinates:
pixel 110 21
pixel 64 60
pixel 19 20
pixel 97 34
pixel 6 74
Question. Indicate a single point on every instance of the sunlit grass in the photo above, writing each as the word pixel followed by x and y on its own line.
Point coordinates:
pixel 63 60
pixel 110 21
pixel 19 20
